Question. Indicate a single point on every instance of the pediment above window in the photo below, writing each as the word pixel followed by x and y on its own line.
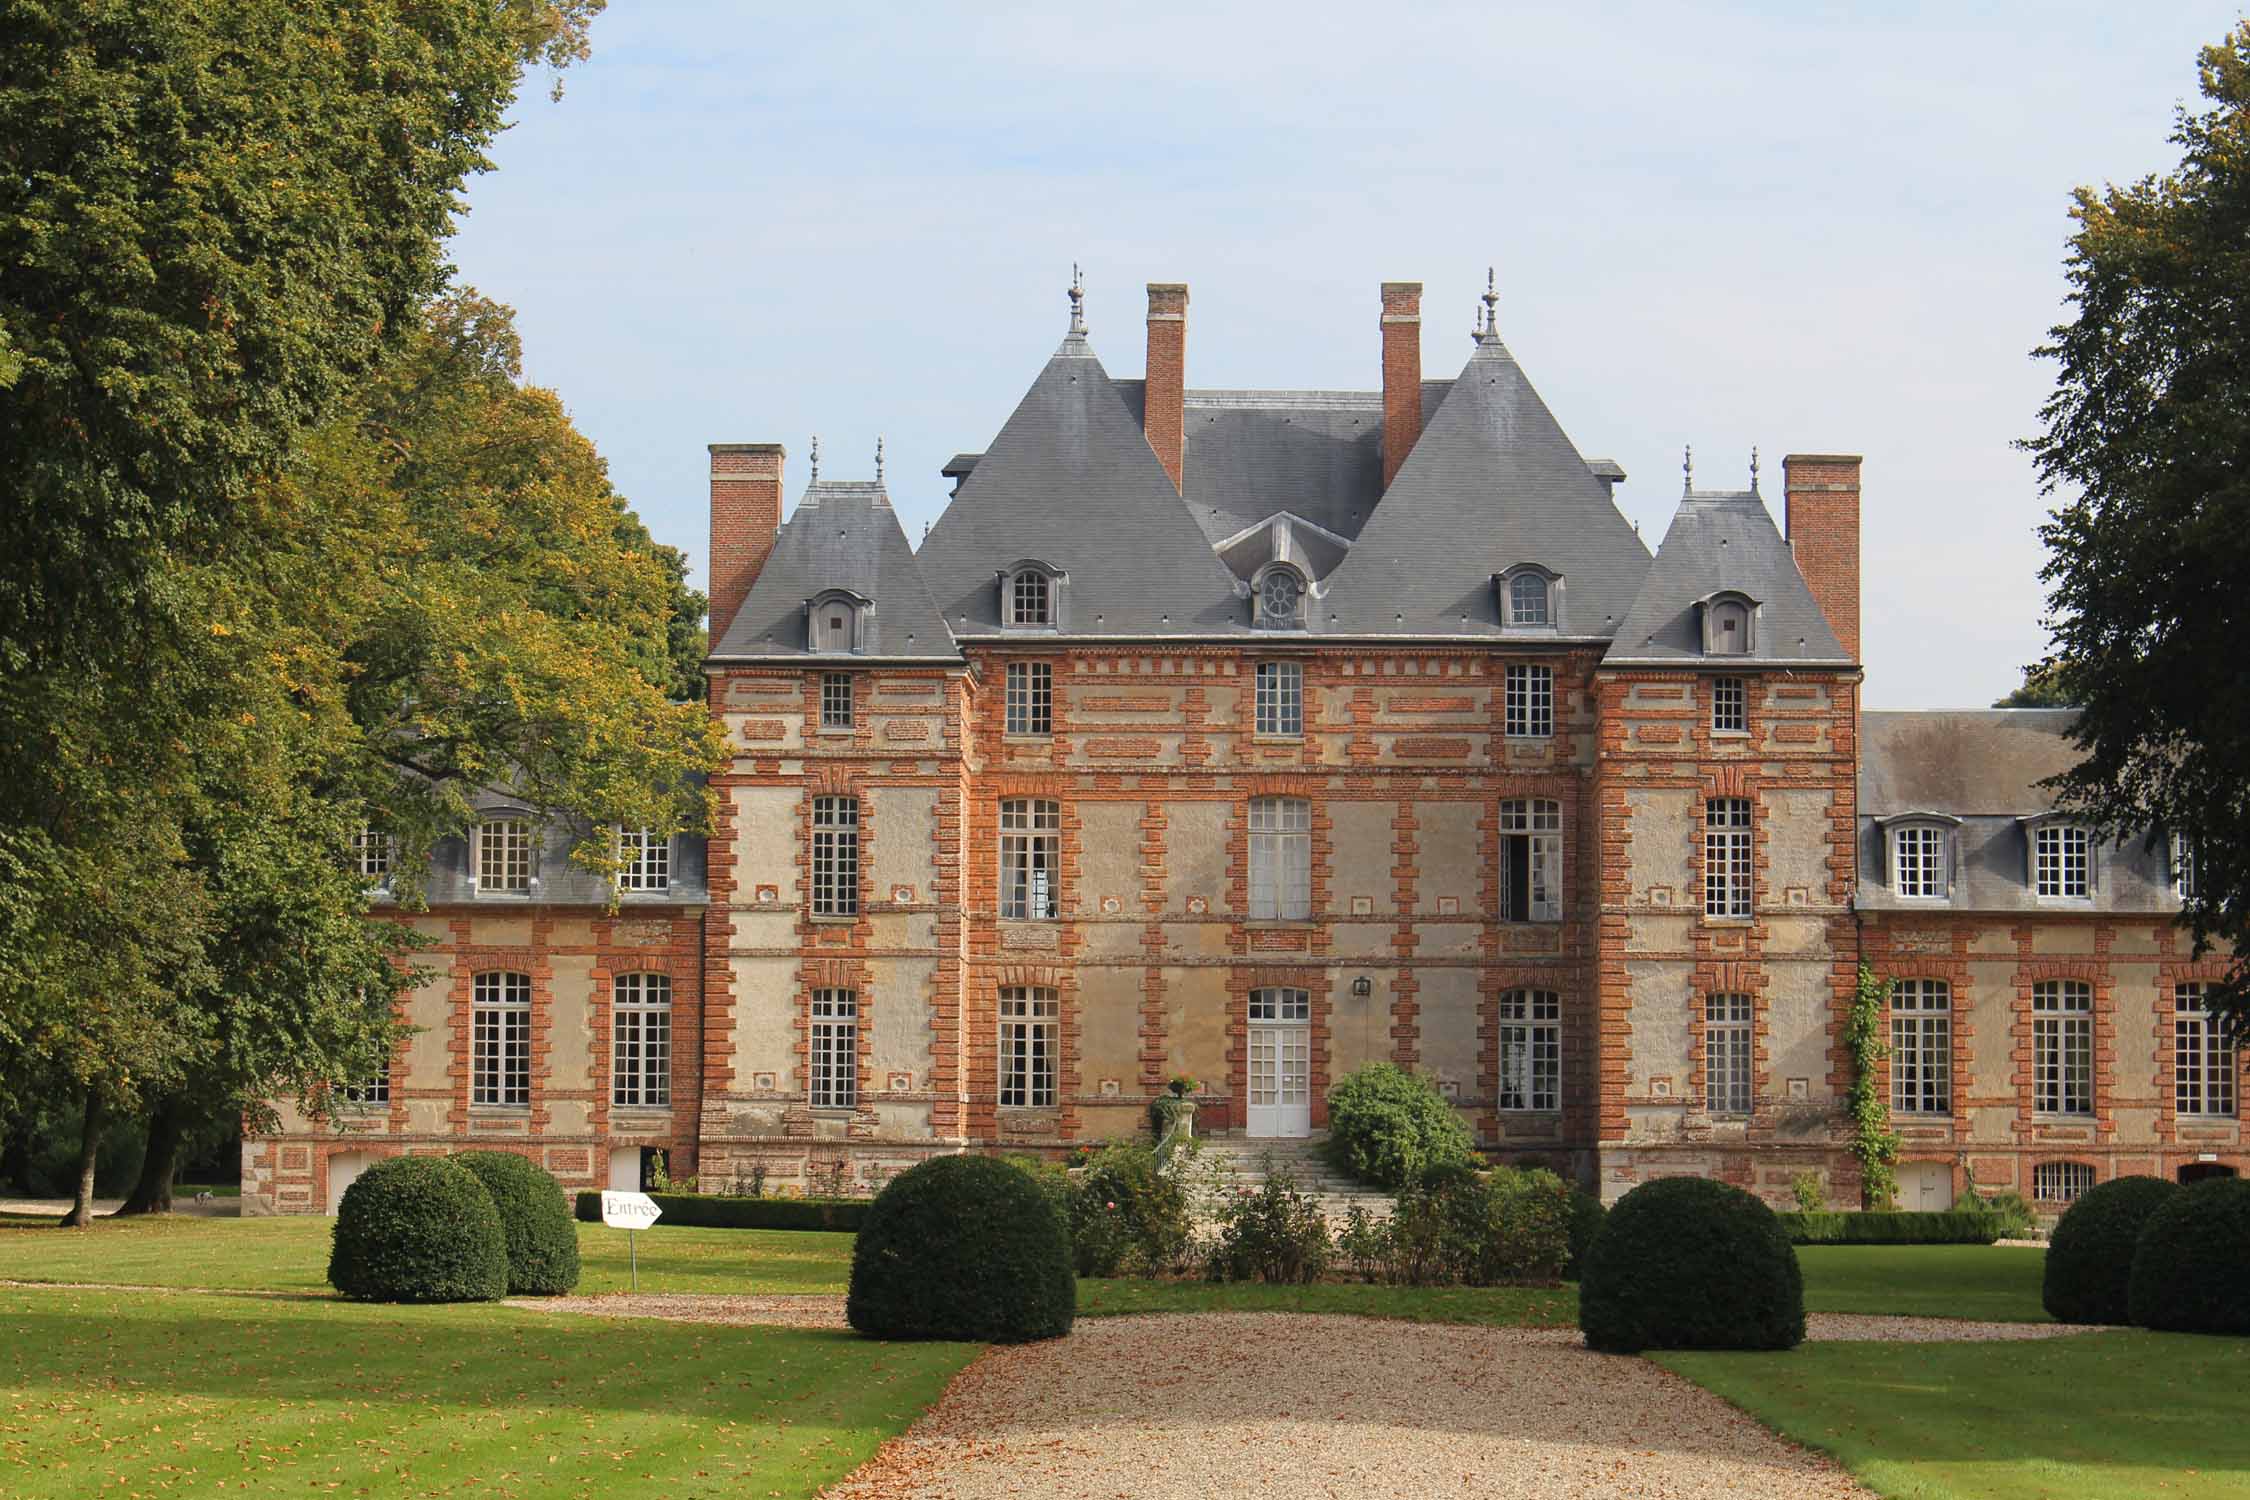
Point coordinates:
pixel 1277 597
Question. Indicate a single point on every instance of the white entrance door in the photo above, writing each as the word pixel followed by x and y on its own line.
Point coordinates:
pixel 1926 1186
pixel 343 1170
pixel 624 1169
pixel 1280 1064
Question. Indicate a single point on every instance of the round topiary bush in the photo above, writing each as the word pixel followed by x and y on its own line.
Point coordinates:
pixel 963 1247
pixel 1390 1127
pixel 1687 1263
pixel 2090 1255
pixel 2191 1269
pixel 418 1229
pixel 537 1221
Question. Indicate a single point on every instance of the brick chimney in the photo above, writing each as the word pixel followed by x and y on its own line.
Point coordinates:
pixel 1164 409
pixel 745 513
pixel 1823 528
pixel 1402 373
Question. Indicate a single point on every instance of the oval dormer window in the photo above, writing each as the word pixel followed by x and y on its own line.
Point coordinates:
pixel 1281 598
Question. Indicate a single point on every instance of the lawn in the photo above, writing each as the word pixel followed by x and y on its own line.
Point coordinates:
pixel 1502 1306
pixel 2099 1416
pixel 1992 1283
pixel 138 1394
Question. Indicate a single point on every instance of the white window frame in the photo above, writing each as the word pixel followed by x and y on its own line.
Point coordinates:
pixel 1730 705
pixel 1031 600
pixel 2205 1069
pixel 640 1041
pixel 1730 869
pixel 1531 827
pixel 832 1050
pixel 1528 702
pixel 1280 859
pixel 1278 1005
pixel 1921 1047
pixel 1030 859
pixel 644 861
pixel 1533 610
pixel 1280 700
pixel 836 707
pixel 1030 1038
pixel 2062 1049
pixel 503 864
pixel 2062 862
pixel 1030 699
pixel 1921 864
pixel 500 1040
pixel 371 1092
pixel 835 856
pixel 2060 1181
pixel 2183 867
pixel 374 853
pixel 1531 1051
pixel 1730 1057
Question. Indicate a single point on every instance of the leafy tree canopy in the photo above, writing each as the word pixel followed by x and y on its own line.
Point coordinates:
pixel 2148 433
pixel 2042 687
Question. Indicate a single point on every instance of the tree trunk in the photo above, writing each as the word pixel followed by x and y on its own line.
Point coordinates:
pixel 167 1128
pixel 81 1213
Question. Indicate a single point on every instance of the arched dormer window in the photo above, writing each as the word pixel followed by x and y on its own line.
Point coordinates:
pixel 1529 597
pixel 837 622
pixel 1033 595
pixel 1730 623
pixel 1918 854
pixel 1277 596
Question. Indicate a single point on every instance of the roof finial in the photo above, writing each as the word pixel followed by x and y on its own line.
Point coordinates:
pixel 878 460
pixel 816 458
pixel 1077 300
pixel 1753 468
pixel 1687 470
pixel 1491 302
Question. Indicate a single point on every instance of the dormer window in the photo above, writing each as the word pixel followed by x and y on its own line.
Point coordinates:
pixel 1919 847
pixel 1033 595
pixel 1279 595
pixel 2062 859
pixel 1028 600
pixel 836 623
pixel 2183 867
pixel 1529 597
pixel 1527 600
pixel 1729 625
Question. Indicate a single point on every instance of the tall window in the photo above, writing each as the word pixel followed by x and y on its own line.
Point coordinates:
pixel 2203 1065
pixel 1028 602
pixel 1530 860
pixel 1027 1047
pixel 1281 698
pixel 640 1041
pixel 644 860
pixel 835 857
pixel 2062 860
pixel 1922 1047
pixel 1727 871
pixel 1031 697
pixel 1029 832
pixel 835 1049
pixel 2062 1046
pixel 2060 1181
pixel 503 856
pixel 1726 1054
pixel 1529 704
pixel 835 700
pixel 2183 866
pixel 1527 600
pixel 1730 706
pixel 1531 1050
pixel 1918 862
pixel 1280 858
pixel 372 855
pixel 500 1041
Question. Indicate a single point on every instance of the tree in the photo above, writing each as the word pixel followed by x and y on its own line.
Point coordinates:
pixel 2148 432
pixel 2041 688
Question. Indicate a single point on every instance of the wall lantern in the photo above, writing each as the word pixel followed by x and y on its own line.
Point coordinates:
pixel 1362 987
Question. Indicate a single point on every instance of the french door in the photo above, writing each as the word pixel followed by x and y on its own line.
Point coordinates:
pixel 1280 1064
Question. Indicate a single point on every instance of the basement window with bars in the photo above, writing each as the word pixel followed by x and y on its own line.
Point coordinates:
pixel 1531 1050
pixel 1530 860
pixel 2062 861
pixel 644 861
pixel 1030 833
pixel 1922 1047
pixel 835 857
pixel 1528 707
pixel 1918 862
pixel 503 857
pixel 640 1041
pixel 2062 1047
pixel 2203 1062
pixel 834 1048
pixel 1727 1054
pixel 1730 706
pixel 500 1041
pixel 1028 1029
pixel 835 700
pixel 1030 698
pixel 2060 1181
pixel 1727 867
pixel 1281 698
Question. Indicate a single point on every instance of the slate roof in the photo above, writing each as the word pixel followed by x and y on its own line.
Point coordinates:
pixel 842 535
pixel 1724 540
pixel 1071 481
pixel 1492 482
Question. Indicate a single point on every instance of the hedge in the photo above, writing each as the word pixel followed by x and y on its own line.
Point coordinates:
pixel 1688 1263
pixel 1902 1228
pixel 2191 1268
pixel 542 1242
pixel 963 1247
pixel 711 1211
pixel 418 1229
pixel 2089 1261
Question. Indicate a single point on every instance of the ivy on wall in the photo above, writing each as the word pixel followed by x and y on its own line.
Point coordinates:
pixel 1874 1143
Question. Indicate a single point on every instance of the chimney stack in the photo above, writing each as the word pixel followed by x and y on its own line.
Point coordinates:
pixel 1823 528
pixel 1402 373
pixel 745 514
pixel 1164 407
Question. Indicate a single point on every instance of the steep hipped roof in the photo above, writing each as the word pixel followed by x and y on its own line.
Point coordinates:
pixel 1493 482
pixel 1724 541
pixel 842 535
pixel 1071 482
pixel 1965 762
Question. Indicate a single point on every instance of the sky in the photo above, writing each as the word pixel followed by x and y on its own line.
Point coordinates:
pixel 1800 227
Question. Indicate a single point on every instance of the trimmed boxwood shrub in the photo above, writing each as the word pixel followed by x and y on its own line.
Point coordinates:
pixel 711 1211
pixel 2090 1255
pixel 1890 1228
pixel 1687 1263
pixel 1586 1216
pixel 418 1229
pixel 2191 1269
pixel 1390 1127
pixel 963 1247
pixel 542 1240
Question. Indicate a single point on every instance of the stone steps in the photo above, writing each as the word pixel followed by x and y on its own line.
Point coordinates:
pixel 1246 1161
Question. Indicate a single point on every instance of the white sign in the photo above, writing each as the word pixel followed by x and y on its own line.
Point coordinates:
pixel 629 1210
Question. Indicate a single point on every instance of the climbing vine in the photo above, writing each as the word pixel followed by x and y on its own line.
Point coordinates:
pixel 1873 1140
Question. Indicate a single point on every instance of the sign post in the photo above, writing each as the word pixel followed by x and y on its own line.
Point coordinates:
pixel 630 1212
